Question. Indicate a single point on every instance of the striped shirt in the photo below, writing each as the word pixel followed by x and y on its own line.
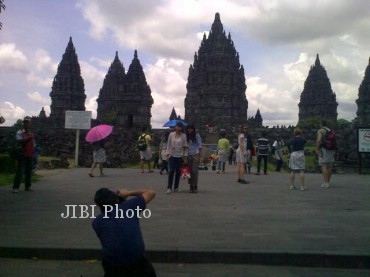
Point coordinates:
pixel 262 146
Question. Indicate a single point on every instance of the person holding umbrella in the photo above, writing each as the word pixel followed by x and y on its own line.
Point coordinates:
pixel 99 159
pixel 97 134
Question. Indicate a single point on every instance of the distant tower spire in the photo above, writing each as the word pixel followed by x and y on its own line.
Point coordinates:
pixel 68 89
pixel 363 101
pixel 216 83
pixel 318 100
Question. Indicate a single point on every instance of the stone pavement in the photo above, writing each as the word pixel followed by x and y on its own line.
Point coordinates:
pixel 57 268
pixel 226 222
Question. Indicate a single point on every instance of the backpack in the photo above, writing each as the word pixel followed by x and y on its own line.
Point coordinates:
pixel 141 144
pixel 329 140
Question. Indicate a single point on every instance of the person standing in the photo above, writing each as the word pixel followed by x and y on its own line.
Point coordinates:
pixel 262 153
pixel 99 158
pixel 223 147
pixel 326 155
pixel 163 153
pixel 145 154
pixel 241 154
pixel 26 142
pixel 123 248
pixel 177 154
pixel 297 161
pixel 278 149
pixel 194 156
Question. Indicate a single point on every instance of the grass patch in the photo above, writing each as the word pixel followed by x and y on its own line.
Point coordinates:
pixel 7 179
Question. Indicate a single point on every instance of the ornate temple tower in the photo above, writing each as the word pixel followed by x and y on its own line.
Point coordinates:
pixel 363 101
pixel 111 94
pixel 173 115
pixel 216 83
pixel 318 101
pixel 125 99
pixel 68 89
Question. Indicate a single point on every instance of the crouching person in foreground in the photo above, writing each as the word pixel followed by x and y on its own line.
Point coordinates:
pixel 120 236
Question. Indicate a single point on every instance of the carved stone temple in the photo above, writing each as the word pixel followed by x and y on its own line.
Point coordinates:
pixel 216 83
pixel 125 99
pixel 318 101
pixel 363 101
pixel 68 88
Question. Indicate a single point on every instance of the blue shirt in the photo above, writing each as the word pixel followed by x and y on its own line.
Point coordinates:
pixel 121 238
pixel 194 146
pixel 296 144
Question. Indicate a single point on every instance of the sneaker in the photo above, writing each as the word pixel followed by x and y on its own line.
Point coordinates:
pixel 15 190
pixel 29 189
pixel 176 190
pixel 91 175
pixel 102 175
pixel 223 172
pixel 292 187
pixel 195 191
pixel 303 188
pixel 325 185
pixel 244 182
pixel 265 173
pixel 168 191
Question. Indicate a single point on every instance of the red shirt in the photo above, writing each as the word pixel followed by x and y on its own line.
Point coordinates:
pixel 28 147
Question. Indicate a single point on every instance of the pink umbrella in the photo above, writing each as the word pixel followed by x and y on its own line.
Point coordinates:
pixel 98 133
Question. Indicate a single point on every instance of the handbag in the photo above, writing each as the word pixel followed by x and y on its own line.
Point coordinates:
pixel 185 172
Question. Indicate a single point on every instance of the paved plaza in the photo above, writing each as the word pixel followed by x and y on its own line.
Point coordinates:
pixel 225 223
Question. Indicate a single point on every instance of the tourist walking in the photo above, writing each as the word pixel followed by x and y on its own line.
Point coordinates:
pixel 99 158
pixel 223 148
pixel 262 148
pixel 163 153
pixel 119 232
pixel 277 147
pixel 145 150
pixel 241 153
pixel 326 148
pixel 177 154
pixel 194 156
pixel 24 157
pixel 297 161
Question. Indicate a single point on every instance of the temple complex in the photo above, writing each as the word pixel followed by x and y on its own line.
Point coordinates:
pixel 216 83
pixel 125 99
pixel 68 89
pixel 363 101
pixel 318 101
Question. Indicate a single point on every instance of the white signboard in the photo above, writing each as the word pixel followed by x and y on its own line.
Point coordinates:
pixel 363 140
pixel 78 120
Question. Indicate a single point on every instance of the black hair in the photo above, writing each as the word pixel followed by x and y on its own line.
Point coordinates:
pixel 105 196
pixel 193 136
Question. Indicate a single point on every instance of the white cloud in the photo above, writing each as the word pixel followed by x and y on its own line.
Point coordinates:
pixel 92 105
pixel 11 112
pixel 38 98
pixel 12 59
pixel 168 84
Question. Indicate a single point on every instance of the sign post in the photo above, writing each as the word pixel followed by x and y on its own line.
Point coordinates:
pixel 363 136
pixel 78 120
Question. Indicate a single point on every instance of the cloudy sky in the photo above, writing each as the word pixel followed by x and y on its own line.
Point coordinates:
pixel 277 41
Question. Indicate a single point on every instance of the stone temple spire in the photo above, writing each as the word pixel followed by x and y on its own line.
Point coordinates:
pixel 112 91
pixel 363 101
pixel 173 115
pixel 318 101
pixel 216 83
pixel 68 89
pixel 125 99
